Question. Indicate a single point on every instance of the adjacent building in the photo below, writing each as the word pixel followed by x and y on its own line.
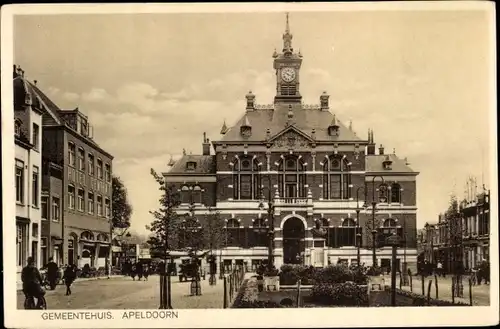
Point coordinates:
pixel 28 168
pixel 76 184
pixel 322 178
pixel 464 239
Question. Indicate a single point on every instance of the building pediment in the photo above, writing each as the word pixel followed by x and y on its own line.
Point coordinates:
pixel 290 138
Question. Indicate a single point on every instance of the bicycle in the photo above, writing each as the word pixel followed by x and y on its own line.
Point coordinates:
pixel 30 304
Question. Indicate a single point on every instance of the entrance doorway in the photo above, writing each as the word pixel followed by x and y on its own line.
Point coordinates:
pixel 293 241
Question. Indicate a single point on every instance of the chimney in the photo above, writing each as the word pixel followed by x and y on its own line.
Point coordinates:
pixel 381 149
pixel 370 150
pixel 206 144
pixel 323 99
pixel 250 101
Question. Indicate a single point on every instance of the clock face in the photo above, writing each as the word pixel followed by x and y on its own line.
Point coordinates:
pixel 288 74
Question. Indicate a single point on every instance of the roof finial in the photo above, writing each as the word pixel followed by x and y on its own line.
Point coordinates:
pixel 183 151
pixel 350 125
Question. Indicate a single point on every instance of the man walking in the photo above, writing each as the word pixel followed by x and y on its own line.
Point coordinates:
pixel 52 273
pixel 69 277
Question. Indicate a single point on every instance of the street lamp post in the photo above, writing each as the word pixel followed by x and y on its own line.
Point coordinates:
pixel 358 233
pixel 270 215
pixel 374 230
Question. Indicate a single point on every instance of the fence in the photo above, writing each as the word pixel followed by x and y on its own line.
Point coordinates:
pixel 232 284
pixel 458 292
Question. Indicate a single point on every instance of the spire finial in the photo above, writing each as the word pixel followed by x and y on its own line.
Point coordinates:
pixel 287 29
pixel 287 37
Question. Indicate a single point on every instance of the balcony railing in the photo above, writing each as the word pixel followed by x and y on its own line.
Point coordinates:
pixel 291 201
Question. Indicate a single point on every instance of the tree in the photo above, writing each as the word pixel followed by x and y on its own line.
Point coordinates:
pixel 166 224
pixel 455 233
pixel 214 231
pixel 122 210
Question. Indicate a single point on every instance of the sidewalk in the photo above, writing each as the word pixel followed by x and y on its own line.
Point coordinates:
pixel 20 284
pixel 480 293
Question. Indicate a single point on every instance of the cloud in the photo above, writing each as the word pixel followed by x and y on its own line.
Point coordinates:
pixel 95 95
pixel 72 97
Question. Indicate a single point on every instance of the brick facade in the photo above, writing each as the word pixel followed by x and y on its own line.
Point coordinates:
pixel 251 163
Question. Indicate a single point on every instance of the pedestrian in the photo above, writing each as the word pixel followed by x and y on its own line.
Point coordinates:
pixel 133 270
pixel 139 270
pixel 52 273
pixel 146 271
pixel 439 269
pixel 69 277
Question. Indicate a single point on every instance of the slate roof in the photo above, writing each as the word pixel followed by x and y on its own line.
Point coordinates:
pixel 205 164
pixel 373 163
pixel 275 120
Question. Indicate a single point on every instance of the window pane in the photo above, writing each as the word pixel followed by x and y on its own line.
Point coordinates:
pixel 335 187
pixel 246 187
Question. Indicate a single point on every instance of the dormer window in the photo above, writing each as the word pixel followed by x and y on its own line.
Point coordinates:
pixel 190 165
pixel 387 164
pixel 333 128
pixel 246 128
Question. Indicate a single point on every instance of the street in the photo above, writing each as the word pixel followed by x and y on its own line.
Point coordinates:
pixel 480 293
pixel 124 293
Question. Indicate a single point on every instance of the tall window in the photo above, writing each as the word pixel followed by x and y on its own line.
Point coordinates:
pixel 45 207
pixel 108 207
pixel 17 127
pixel 71 154
pixel 56 209
pixel 71 250
pixel 81 200
pixel 348 232
pixel 99 168
pixel 246 179
pixel 99 205
pixel 19 181
pixel 336 178
pixel 81 159
pixel 21 244
pixel 35 187
pixel 71 197
pixel 108 173
pixel 91 164
pixel 291 177
pixel 185 194
pixel 260 229
pixel 36 136
pixel 395 193
pixel 233 233
pixel 382 193
pixel 91 202
pixel 197 194
pixel 43 251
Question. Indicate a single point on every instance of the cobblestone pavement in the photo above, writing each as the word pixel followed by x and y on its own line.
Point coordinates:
pixel 480 293
pixel 124 293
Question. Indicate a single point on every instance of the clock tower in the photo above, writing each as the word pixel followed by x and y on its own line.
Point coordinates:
pixel 287 65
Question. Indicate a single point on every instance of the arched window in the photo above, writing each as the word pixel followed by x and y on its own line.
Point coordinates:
pixel 102 237
pixel 191 233
pixel 336 178
pixel 395 193
pixel 246 178
pixel 197 194
pixel 233 233
pixel 87 236
pixel 348 233
pixel 324 223
pixel 185 197
pixel 382 193
pixel 260 229
pixel 292 177
pixel 388 228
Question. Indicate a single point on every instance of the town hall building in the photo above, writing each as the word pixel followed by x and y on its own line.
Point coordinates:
pixel 321 179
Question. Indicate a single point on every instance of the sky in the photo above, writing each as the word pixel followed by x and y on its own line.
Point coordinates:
pixel 151 84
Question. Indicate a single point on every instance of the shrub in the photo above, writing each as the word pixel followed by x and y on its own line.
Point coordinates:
pixel 374 271
pixel 271 271
pixel 333 274
pixel 340 294
pixel 289 274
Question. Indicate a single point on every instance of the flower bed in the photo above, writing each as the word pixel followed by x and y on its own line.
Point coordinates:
pixel 340 294
pixel 290 274
pixel 407 298
pixel 248 297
